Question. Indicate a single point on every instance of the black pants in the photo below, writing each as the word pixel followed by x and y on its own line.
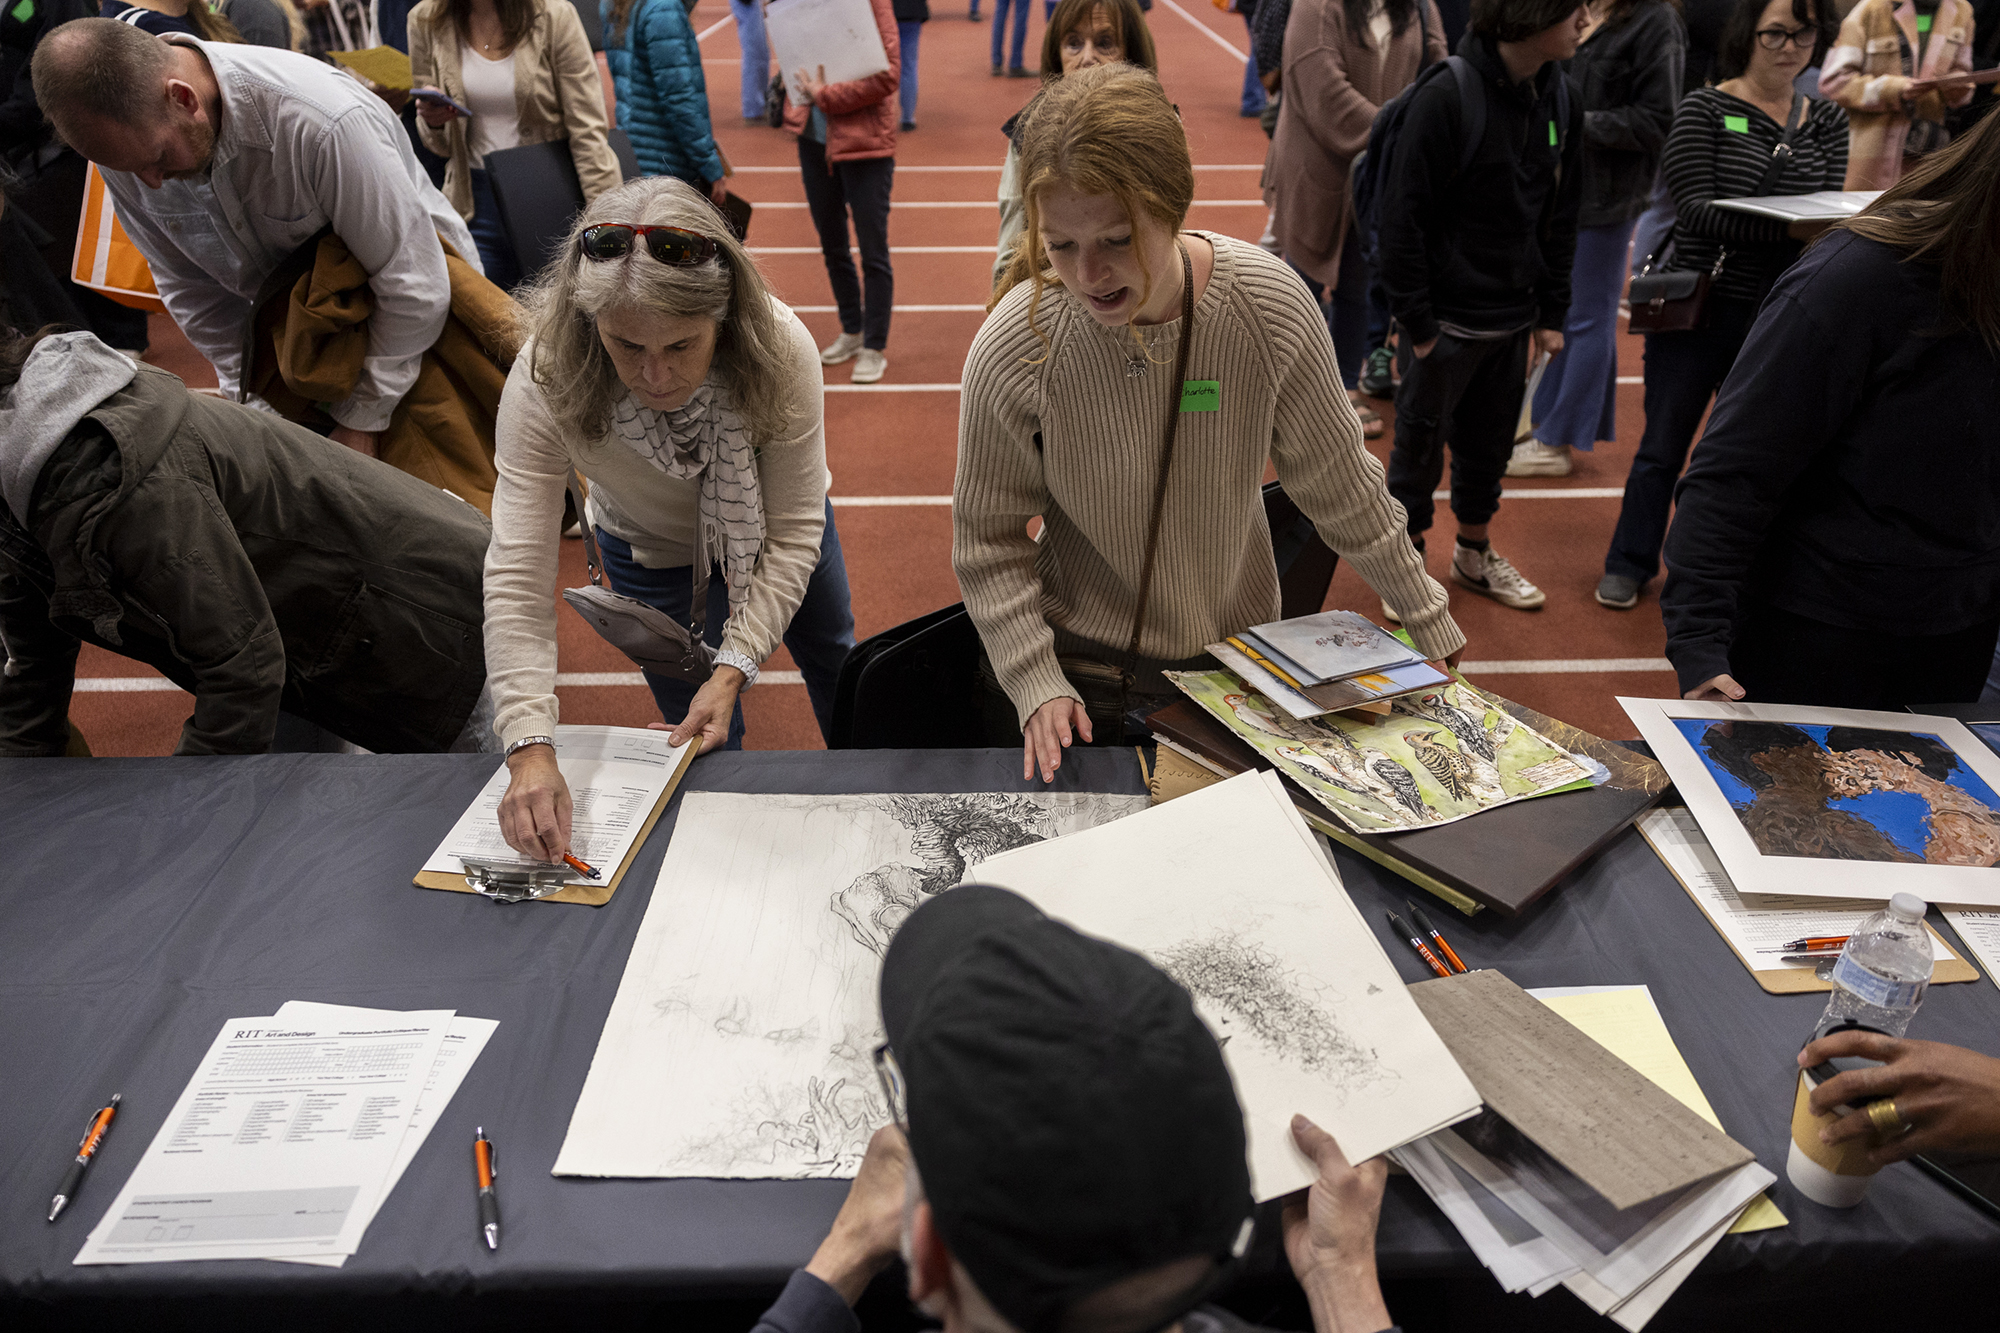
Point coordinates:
pixel 1467 393
pixel 1683 371
pixel 860 188
pixel 1779 657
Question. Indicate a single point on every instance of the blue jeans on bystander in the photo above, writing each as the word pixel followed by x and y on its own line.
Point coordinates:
pixel 1000 32
pixel 755 72
pixel 819 638
pixel 489 233
pixel 1577 403
pixel 907 36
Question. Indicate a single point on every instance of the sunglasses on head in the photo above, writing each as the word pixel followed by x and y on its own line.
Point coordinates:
pixel 674 246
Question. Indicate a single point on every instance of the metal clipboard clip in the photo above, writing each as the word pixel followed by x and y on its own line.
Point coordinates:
pixel 509 882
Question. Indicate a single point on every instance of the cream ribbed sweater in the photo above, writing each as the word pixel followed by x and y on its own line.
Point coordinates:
pixel 1072 439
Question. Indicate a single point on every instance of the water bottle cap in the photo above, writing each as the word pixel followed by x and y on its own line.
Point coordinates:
pixel 1908 905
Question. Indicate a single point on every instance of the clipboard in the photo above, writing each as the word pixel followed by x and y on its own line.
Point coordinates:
pixel 590 895
pixel 1798 980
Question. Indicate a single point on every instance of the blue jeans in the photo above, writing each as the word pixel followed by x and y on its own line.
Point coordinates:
pixel 820 636
pixel 489 233
pixel 1653 223
pixel 1577 403
pixel 1000 31
pixel 907 36
pixel 1254 95
pixel 755 72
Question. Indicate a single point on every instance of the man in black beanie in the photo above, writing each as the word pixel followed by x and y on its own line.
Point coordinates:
pixel 1068 1153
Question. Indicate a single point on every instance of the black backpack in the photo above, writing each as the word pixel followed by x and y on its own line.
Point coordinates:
pixel 1366 174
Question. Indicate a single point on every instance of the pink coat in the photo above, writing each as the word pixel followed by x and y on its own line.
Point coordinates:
pixel 861 113
pixel 1333 87
pixel 1864 73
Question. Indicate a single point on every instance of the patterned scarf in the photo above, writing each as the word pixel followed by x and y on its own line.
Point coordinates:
pixel 703 438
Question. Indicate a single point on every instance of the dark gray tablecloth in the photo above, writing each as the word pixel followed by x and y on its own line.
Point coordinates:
pixel 144 902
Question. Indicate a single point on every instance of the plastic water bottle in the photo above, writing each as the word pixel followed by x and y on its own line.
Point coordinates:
pixel 1883 971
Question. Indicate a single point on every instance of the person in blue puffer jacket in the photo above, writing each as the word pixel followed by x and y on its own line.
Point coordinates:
pixel 662 97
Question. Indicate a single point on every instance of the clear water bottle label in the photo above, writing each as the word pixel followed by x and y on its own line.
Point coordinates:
pixel 1874 988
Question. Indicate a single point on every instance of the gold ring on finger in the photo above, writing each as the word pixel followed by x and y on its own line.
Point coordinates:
pixel 1886 1118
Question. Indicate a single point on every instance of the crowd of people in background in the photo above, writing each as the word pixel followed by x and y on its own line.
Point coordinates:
pixel 362 546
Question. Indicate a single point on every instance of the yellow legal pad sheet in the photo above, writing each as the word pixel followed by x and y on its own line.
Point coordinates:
pixel 1624 1020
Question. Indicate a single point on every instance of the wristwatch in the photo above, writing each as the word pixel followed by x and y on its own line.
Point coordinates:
pixel 529 740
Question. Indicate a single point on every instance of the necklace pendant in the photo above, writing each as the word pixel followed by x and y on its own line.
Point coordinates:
pixel 1135 367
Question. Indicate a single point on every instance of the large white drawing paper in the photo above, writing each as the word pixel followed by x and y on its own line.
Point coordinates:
pixel 838 37
pixel 740 1042
pixel 278 1146
pixel 615 776
pixel 1228 893
pixel 1834 802
pixel 464 1038
pixel 1758 926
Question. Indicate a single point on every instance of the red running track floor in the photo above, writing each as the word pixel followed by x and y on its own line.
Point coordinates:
pixel 899 442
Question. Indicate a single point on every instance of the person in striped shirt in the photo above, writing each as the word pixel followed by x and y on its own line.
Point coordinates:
pixel 1721 147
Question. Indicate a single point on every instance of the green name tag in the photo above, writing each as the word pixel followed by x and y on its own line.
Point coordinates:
pixel 1923 23
pixel 1552 134
pixel 1201 396
pixel 23 11
pixel 1739 124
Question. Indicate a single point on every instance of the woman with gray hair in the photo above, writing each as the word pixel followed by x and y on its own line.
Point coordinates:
pixel 662 369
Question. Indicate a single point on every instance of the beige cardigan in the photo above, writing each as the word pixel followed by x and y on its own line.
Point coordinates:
pixel 637 502
pixel 558 94
pixel 1061 432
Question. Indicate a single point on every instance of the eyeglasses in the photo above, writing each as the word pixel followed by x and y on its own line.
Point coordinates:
pixel 674 246
pixel 1774 39
pixel 890 1075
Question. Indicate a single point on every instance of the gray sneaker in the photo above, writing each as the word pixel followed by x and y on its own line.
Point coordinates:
pixel 1618 592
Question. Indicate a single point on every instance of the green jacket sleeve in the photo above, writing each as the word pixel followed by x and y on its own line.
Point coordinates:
pixel 40 672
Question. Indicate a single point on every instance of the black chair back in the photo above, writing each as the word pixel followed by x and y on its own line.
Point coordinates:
pixel 916 686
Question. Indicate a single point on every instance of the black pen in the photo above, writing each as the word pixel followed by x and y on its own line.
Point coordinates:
pixel 489 1202
pixel 73 1178
pixel 1402 927
pixel 1424 924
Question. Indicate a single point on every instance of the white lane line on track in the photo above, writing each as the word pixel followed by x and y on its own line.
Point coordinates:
pixel 994 204
pixel 897 309
pixel 1510 493
pixel 1205 30
pixel 894 249
pixel 1564 666
pixel 564 679
pixel 889 501
pixel 718 26
pixel 571 680
pixel 903 169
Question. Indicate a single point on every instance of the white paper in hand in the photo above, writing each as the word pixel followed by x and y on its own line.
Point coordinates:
pixel 838 36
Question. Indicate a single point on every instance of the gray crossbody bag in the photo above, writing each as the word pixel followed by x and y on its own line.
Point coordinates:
pixel 649 636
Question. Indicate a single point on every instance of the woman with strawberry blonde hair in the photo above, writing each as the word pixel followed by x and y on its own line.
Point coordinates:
pixel 1153 540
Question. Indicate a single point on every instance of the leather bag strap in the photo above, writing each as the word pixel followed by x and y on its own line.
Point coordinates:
pixel 1177 391
pixel 697 602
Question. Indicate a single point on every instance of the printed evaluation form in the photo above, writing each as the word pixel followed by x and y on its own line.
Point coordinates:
pixel 281 1144
pixel 615 777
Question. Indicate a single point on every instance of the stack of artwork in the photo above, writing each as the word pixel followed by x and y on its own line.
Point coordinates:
pixel 1833 802
pixel 744 1027
pixel 1434 758
pixel 741 1040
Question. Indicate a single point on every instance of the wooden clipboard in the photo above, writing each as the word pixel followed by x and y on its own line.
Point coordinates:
pixel 1796 980
pixel 590 895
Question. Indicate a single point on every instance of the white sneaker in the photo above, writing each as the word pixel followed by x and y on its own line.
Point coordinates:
pixel 840 349
pixel 1488 573
pixel 870 366
pixel 1532 458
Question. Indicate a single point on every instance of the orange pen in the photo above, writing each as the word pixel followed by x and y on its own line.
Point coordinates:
pixel 1402 928
pixel 1443 947
pixel 583 868
pixel 489 1202
pixel 85 1151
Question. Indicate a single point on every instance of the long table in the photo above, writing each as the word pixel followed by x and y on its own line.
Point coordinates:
pixel 144 902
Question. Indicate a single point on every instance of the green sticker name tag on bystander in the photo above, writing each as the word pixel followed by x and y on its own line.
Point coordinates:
pixel 1737 124
pixel 1923 23
pixel 1552 134
pixel 1201 396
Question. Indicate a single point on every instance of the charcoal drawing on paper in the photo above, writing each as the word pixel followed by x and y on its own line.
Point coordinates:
pixel 745 1025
